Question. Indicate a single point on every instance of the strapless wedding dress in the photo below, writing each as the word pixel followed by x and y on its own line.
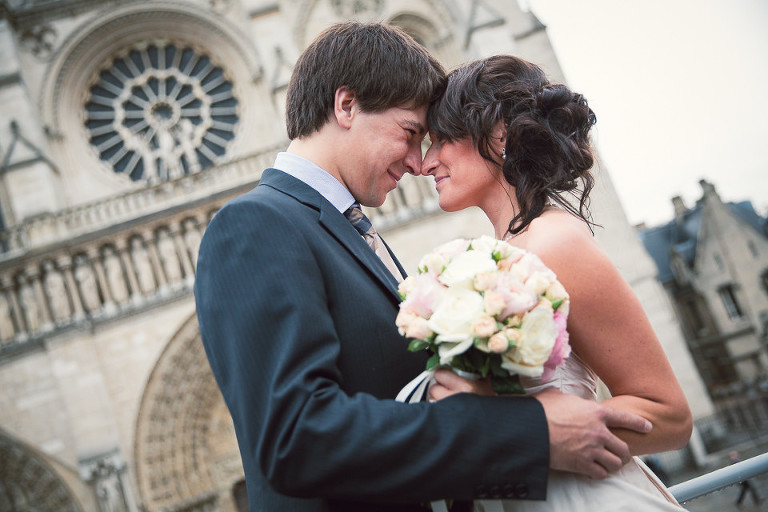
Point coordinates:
pixel 633 488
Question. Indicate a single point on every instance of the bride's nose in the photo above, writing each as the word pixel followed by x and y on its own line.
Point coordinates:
pixel 430 162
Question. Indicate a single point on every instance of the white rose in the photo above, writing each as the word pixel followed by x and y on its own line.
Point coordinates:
pixel 526 265
pixel 556 292
pixel 485 244
pixel 432 263
pixel 538 333
pixel 462 269
pixel 450 249
pixel 498 343
pixel 455 314
pixel 484 280
pixel 493 302
pixel 484 326
pixel 406 286
pixel 540 280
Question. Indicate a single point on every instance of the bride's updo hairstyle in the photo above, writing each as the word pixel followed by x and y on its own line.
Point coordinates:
pixel 546 127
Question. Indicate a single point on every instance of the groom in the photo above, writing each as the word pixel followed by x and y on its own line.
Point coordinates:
pixel 297 313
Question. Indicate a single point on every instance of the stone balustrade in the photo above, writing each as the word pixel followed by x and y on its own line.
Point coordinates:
pixel 132 252
pixel 82 219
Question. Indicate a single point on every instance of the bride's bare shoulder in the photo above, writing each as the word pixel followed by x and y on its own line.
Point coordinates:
pixel 555 229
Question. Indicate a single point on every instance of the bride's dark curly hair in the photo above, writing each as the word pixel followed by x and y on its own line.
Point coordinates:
pixel 546 132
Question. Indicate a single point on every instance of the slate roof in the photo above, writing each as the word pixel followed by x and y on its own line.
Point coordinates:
pixel 683 235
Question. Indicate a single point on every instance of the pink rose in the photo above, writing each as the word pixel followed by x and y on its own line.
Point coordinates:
pixel 517 297
pixel 498 343
pixel 418 329
pixel 425 292
pixel 561 350
pixel 484 326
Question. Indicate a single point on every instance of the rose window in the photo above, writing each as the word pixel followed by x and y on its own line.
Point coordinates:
pixel 161 111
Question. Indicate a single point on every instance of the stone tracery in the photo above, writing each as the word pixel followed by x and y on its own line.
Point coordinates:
pixel 160 110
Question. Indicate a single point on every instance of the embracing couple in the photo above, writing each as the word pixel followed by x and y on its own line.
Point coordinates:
pixel 297 309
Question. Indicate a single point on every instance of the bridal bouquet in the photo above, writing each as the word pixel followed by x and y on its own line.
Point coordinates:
pixel 486 307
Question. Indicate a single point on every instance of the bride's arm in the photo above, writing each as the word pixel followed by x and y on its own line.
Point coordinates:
pixel 609 330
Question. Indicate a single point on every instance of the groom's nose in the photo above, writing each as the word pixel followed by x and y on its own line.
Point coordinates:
pixel 412 161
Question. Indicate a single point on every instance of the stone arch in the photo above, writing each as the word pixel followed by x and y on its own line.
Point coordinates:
pixel 412 15
pixel 117 27
pixel 29 482
pixel 186 450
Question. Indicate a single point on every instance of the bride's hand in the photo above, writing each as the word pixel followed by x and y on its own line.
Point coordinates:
pixel 448 383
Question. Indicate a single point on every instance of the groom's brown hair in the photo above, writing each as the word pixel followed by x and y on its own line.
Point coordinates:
pixel 382 64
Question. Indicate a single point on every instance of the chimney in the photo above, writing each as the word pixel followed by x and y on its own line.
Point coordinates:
pixel 679 206
pixel 708 189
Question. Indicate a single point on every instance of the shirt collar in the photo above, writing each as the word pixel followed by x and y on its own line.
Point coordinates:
pixel 319 179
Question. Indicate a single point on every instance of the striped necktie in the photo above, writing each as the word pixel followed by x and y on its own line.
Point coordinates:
pixel 363 226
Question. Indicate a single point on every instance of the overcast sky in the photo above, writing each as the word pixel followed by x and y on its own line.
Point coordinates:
pixel 680 89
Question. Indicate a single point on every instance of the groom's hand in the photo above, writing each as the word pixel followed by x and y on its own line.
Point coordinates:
pixel 580 438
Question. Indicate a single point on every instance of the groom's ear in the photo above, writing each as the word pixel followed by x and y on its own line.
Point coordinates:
pixel 345 106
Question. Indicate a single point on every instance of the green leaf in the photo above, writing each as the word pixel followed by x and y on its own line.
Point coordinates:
pixel 556 304
pixel 415 345
pixel 509 386
pixel 433 361
pixel 485 367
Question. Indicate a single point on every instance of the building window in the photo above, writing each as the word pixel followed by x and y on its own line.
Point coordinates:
pixel 731 303
pixel 160 111
pixel 693 317
pixel 764 280
pixel 718 262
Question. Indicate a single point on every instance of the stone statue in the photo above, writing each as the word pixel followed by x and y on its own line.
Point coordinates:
pixel 57 293
pixel 30 306
pixel 115 277
pixel 185 135
pixel 7 330
pixel 169 160
pixel 109 490
pixel 168 256
pixel 192 239
pixel 86 281
pixel 142 266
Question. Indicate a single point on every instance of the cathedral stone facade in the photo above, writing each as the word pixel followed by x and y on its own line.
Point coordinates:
pixel 124 126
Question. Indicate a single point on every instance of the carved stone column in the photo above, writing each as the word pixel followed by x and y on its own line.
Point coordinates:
pixel 167 250
pixel 123 253
pixel 35 300
pixel 87 280
pixel 174 232
pixel 92 256
pixel 65 264
pixel 57 294
pixel 106 474
pixel 142 266
pixel 156 263
pixel 8 313
pixel 192 239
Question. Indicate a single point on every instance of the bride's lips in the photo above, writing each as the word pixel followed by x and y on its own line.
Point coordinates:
pixel 439 180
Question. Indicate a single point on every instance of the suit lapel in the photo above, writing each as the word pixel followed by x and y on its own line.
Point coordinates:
pixel 332 221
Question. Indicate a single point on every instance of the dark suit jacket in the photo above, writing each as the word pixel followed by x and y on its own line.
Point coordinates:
pixel 297 317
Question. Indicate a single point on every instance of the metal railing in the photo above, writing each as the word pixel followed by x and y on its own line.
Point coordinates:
pixel 720 478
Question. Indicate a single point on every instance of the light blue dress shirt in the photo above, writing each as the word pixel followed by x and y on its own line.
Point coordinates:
pixel 317 178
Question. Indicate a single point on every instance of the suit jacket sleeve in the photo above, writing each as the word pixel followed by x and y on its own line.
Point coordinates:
pixel 271 330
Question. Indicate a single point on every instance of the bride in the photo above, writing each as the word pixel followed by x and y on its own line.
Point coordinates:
pixel 508 141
